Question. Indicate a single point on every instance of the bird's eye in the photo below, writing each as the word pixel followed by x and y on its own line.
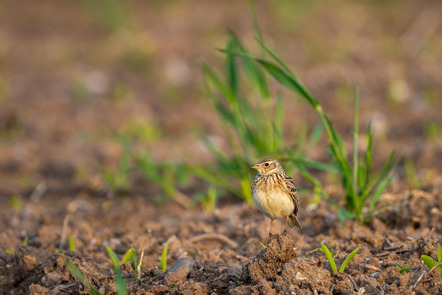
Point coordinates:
pixel 266 164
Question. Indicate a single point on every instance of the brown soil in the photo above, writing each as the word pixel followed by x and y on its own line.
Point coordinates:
pixel 223 250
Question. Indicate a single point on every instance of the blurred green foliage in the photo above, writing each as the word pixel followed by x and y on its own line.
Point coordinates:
pixel 253 123
pixel 110 15
pixel 252 117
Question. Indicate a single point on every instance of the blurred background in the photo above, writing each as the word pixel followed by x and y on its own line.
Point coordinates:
pixel 77 76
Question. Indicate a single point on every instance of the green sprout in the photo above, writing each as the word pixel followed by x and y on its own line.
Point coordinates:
pixel 207 198
pixel 71 243
pixel 403 268
pixel 119 280
pixel 79 274
pixel 15 202
pixel 130 255
pixel 164 175
pixel 431 263
pixel 330 259
pixel 164 257
pixel 118 179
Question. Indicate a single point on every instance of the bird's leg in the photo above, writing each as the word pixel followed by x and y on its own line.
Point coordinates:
pixel 270 231
pixel 285 229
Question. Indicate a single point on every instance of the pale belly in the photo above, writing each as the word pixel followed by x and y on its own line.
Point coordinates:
pixel 274 205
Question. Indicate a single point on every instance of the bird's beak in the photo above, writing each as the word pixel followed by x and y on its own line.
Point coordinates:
pixel 254 167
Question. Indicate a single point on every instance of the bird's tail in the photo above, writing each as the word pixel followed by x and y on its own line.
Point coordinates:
pixel 293 221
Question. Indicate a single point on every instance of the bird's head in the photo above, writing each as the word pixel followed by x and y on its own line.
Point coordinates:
pixel 268 166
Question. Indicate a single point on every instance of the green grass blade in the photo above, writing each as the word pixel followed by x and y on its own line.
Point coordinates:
pixel 254 73
pixel 79 274
pixel 383 179
pixel 301 141
pixel 348 259
pixel 216 80
pixel 279 140
pixel 164 257
pixel 288 81
pixel 355 143
pixel 255 20
pixel 135 262
pixel 211 177
pixel 368 156
pixel 113 257
pixel 71 243
pixel 316 184
pixel 388 167
pixel 232 73
pixel 313 164
pixel 439 255
pixel 146 165
pixel 430 263
pixel 361 178
pixel 344 214
pixel 279 112
pixel 379 190
pixel 315 136
pixel 120 282
pixel 329 258
pixel 215 150
pixel 225 113
pixel 276 58
pixel 127 256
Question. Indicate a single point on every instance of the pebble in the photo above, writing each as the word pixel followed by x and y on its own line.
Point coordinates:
pixel 179 270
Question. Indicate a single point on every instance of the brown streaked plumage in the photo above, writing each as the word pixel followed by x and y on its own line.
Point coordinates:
pixel 274 193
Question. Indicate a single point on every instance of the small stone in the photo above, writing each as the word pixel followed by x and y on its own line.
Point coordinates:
pixel 179 270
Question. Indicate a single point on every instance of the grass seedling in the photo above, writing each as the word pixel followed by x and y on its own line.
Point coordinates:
pixel 132 256
pixel 164 175
pixel 128 256
pixel 25 241
pixel 431 263
pixel 167 176
pixel 15 202
pixel 263 245
pixel 71 243
pixel 207 198
pixel 164 257
pixel 119 280
pixel 362 188
pixel 403 268
pixel 118 179
pixel 332 262
pixel 79 275
pixel 416 179
pixel 253 123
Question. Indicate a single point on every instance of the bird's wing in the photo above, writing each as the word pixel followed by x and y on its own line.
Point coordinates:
pixel 290 185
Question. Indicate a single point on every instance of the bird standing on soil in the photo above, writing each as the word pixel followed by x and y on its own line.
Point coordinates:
pixel 274 193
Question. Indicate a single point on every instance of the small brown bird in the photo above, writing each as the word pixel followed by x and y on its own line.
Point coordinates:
pixel 274 193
